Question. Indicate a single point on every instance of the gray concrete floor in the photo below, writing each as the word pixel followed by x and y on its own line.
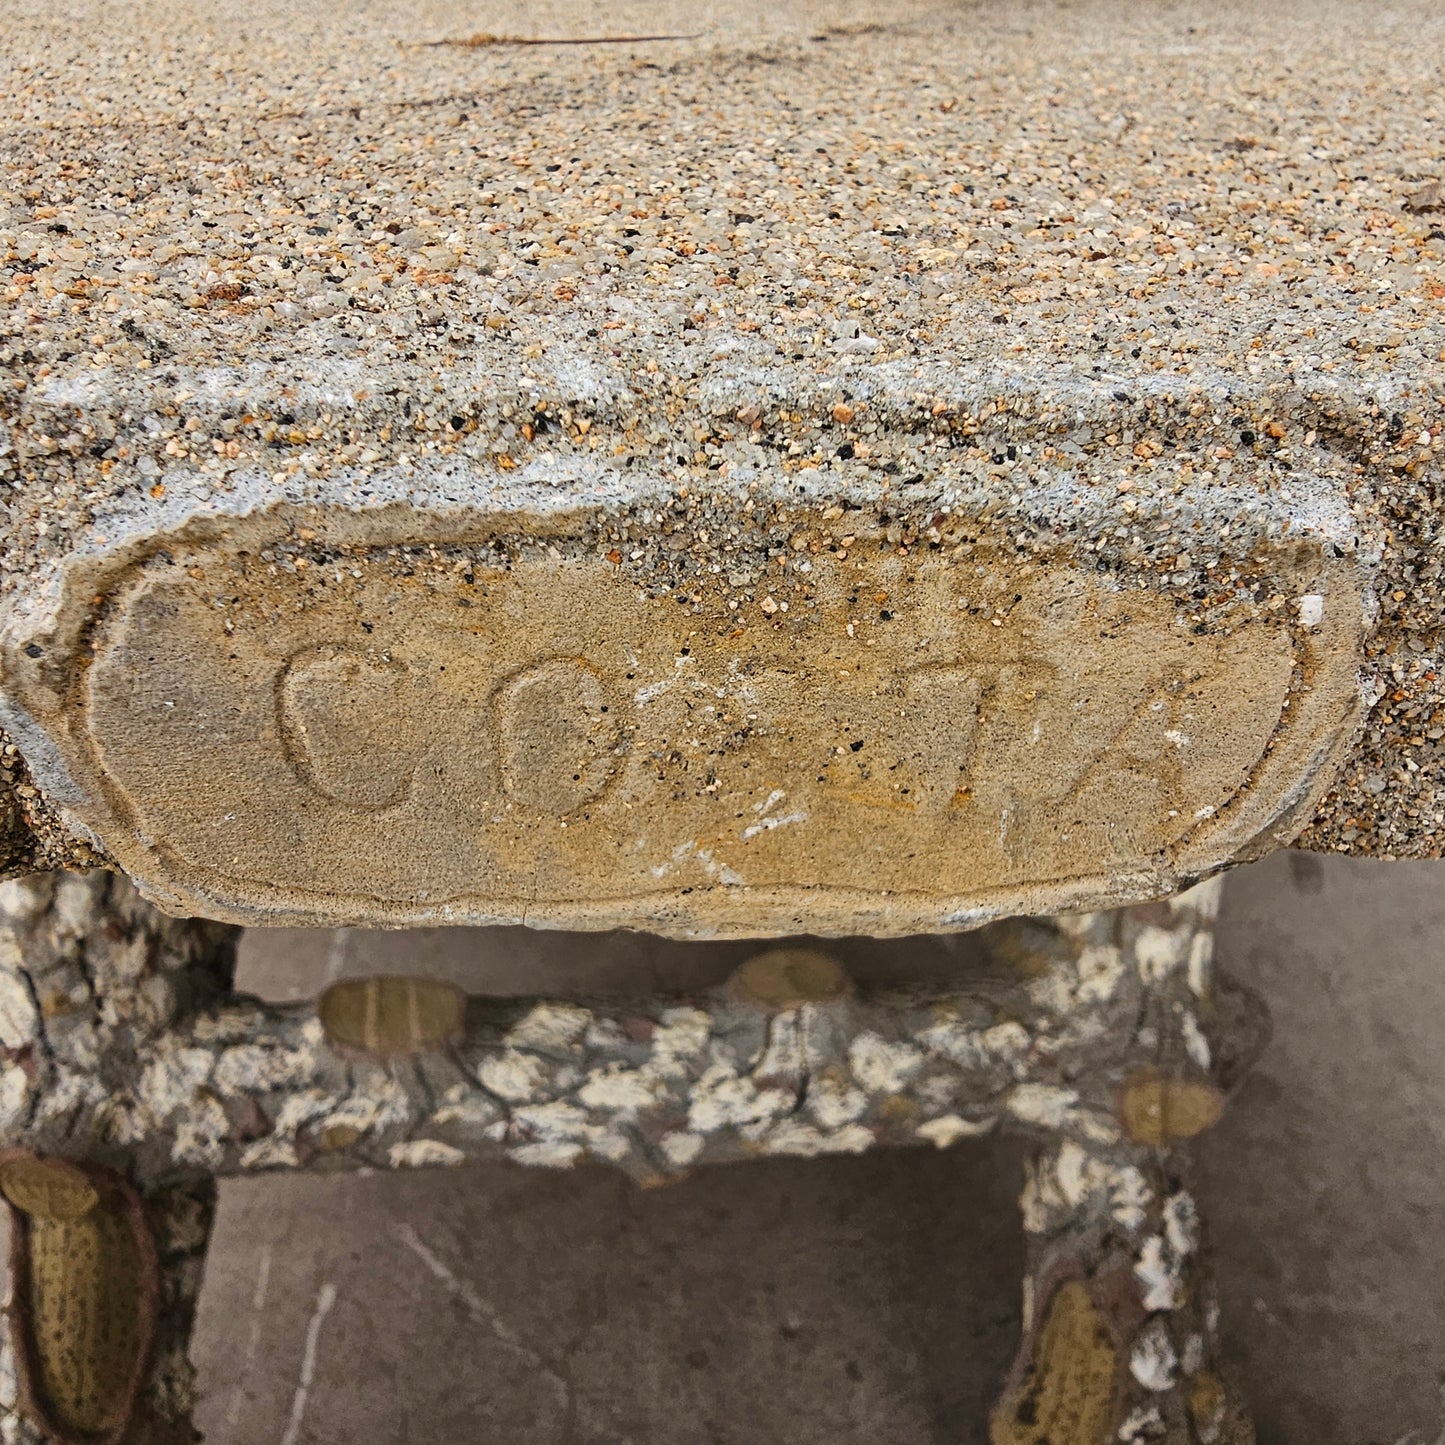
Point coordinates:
pixel 870 1299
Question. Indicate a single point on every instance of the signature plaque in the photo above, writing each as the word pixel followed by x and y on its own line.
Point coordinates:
pixel 913 742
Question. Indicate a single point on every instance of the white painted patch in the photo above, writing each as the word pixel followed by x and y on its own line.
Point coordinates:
pixel 270 1154
pixel 1142 1423
pixel 683 1034
pixel 786 1053
pixel 1158 1276
pixel 612 1148
pixel 1079 1175
pixel 617 1088
pixel 19 1020
pixel 950 1038
pixel 948 1129
pixel 420 1153
pixel 1054 992
pixel 1181 1224
pixel 604 1036
pixel 251 1068
pixel 1101 970
pixel 1097 1127
pixel 228 1024
pixel 200 1134
pixel 384 1105
pixel 1036 1201
pixel 681 1149
pixel 1042 1104
pixel 880 1066
pixel 1202 899
pixel 559 1119
pixel 511 1075
pixel 832 1104
pixel 1006 1041
pixel 1201 955
pixel 548 1154
pixel 1311 609
pixel 14 1097
pixel 9 1387
pixel 298 1110
pixel 1158 952
pixel 553 1027
pixel 723 1100
pixel 1195 1044
pixel 459 1105
pixel 1076 925
pixel 1130 1197
pixel 793 1136
pixel 1192 1360
pixel 1154 1363
pixel 170 1081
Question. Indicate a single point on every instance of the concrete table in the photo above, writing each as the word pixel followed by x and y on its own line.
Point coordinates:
pixel 855 469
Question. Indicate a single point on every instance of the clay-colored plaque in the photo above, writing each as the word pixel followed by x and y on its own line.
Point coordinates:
pixel 549 741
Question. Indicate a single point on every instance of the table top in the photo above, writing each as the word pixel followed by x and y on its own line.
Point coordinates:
pixel 1081 316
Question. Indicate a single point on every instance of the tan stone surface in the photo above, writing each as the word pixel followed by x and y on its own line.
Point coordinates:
pixel 502 733
pixel 1093 289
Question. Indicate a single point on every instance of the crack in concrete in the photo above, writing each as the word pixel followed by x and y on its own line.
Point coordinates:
pixel 325 1298
pixel 483 1312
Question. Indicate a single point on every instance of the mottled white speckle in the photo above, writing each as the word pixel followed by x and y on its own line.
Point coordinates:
pixel 1042 1104
pixel 1141 1424
pixel 18 1017
pixel 882 1067
pixel 1078 1174
pixel 1100 969
pixel 722 1099
pixel 14 1096
pixel 681 1149
pixel 948 1129
pixel 512 1075
pixel 1129 1197
pixel 551 1027
pixel 548 1154
pixel 1159 952
pixel 833 1104
pixel 270 1154
pixel 418 1153
pixel 792 1136
pixel 1201 955
pixel 618 1088
pixel 1181 1223
pixel 1154 1363
pixel 1157 1272
pixel 1195 1044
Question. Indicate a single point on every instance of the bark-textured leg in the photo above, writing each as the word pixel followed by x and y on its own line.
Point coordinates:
pixel 106 1262
pixel 1120 1319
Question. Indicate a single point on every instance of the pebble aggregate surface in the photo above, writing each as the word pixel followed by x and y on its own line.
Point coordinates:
pixel 1148 285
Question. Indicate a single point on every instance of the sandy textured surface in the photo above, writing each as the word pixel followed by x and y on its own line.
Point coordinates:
pixel 1152 292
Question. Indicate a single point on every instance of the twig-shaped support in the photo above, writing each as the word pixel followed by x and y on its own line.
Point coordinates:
pixel 104 1278
pixel 1120 1320
pixel 1104 1034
